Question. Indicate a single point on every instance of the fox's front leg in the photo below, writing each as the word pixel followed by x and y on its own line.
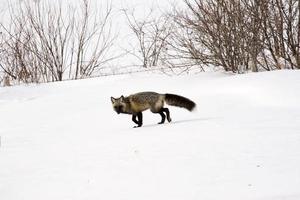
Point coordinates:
pixel 139 122
pixel 134 119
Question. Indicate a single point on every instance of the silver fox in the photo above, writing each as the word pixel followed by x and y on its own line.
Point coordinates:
pixel 135 104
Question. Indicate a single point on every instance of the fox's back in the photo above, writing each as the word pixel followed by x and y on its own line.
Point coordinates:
pixel 144 97
pixel 143 100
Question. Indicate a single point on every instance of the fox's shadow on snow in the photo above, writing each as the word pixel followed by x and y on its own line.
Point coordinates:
pixel 178 122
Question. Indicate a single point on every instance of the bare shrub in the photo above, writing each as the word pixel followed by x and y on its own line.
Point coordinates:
pixel 238 35
pixel 215 34
pixel 282 32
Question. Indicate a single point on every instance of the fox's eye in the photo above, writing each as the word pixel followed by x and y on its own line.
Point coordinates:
pixel 118 107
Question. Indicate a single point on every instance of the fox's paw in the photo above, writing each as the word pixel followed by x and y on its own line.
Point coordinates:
pixel 169 119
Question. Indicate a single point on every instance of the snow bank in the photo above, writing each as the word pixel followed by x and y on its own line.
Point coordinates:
pixel 63 140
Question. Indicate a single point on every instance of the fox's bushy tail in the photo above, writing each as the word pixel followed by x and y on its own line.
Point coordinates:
pixel 180 101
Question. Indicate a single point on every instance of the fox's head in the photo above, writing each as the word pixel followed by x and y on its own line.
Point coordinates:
pixel 118 104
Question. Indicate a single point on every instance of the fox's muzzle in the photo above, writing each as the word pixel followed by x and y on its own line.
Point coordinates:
pixel 118 109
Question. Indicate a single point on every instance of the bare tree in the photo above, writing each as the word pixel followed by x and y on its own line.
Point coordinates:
pixel 151 34
pixel 93 32
pixel 46 43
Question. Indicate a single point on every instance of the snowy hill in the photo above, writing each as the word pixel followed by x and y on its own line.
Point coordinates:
pixel 64 141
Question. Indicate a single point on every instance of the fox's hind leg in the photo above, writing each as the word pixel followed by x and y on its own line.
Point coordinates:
pixel 162 112
pixel 163 117
pixel 166 110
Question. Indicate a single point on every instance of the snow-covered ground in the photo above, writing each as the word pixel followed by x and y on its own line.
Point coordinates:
pixel 63 140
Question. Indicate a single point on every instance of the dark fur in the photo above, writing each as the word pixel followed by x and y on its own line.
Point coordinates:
pixel 179 101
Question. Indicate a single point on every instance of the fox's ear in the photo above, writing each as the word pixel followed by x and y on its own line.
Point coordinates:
pixel 113 100
pixel 122 98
